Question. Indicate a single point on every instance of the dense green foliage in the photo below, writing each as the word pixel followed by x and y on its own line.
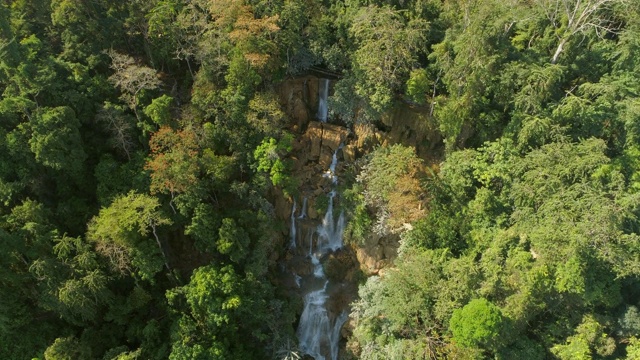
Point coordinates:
pixel 140 142
pixel 132 211
pixel 477 324
pixel 528 245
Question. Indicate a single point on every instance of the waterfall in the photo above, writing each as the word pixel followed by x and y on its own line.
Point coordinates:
pixel 292 245
pixel 316 328
pixel 319 329
pixel 331 173
pixel 318 271
pixel 330 232
pixel 323 94
pixel 318 333
pixel 335 333
pixel 303 211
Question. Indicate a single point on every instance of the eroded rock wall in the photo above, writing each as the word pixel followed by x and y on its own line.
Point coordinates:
pixel 316 143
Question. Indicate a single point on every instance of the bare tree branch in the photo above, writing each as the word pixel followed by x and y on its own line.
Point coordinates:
pixel 572 17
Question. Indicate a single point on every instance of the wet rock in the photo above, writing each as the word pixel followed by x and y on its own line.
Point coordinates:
pixel 339 264
pixel 311 92
pixel 339 300
pixel 324 139
pixel 299 99
pixel 300 266
pixel 326 156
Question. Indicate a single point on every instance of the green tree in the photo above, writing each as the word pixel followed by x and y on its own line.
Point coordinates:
pixel 174 162
pixel 467 63
pixel 633 349
pixel 232 240
pixel 121 127
pixel 160 110
pixel 570 18
pixel 590 338
pixel 388 47
pixel 270 159
pixel 67 348
pixel 56 140
pixel 419 85
pixel 121 232
pixel 26 235
pixel 219 311
pixel 477 324
pixel 132 80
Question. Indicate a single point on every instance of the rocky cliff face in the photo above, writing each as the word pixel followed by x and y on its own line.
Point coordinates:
pixel 316 142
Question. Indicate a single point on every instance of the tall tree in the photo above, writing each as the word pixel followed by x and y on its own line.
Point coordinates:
pixel 132 79
pixel 174 164
pixel 121 232
pixel 388 48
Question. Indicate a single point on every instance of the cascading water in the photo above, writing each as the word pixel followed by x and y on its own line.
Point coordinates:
pixel 312 246
pixel 319 328
pixel 323 94
pixel 303 212
pixel 292 244
pixel 330 232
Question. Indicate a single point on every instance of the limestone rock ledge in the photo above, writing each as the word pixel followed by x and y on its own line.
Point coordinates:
pixel 321 140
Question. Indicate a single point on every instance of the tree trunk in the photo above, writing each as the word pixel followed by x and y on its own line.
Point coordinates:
pixel 164 256
pixel 558 51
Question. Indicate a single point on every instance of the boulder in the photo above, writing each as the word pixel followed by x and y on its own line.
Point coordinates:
pixel 377 253
pixel 369 259
pixel 283 205
pixel 349 153
pixel 326 156
pixel 333 136
pixel 314 138
pixel 390 251
pixel 347 328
